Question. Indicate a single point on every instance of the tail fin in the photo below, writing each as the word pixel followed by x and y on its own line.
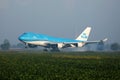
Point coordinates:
pixel 84 35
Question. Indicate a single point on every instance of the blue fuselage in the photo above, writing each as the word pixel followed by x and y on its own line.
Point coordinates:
pixel 29 37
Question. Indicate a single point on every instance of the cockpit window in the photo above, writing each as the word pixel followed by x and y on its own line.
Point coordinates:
pixel 24 33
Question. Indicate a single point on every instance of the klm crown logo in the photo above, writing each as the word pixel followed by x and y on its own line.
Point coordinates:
pixel 84 35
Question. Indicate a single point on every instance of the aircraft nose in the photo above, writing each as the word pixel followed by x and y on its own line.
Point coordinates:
pixel 21 38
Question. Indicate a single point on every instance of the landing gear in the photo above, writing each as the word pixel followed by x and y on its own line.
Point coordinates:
pixel 26 45
pixel 51 50
pixel 55 50
pixel 45 50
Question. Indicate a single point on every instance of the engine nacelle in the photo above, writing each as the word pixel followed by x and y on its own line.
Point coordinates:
pixel 80 44
pixel 60 45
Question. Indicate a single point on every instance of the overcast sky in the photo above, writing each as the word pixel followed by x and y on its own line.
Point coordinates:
pixel 61 18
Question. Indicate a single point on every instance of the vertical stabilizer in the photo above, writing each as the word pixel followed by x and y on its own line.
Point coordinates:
pixel 84 35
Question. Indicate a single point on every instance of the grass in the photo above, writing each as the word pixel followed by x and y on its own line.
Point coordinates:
pixel 59 66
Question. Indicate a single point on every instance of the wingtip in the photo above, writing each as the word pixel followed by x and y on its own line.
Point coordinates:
pixel 105 39
pixel 89 27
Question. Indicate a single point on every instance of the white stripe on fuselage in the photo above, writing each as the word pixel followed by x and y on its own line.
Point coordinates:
pixel 39 43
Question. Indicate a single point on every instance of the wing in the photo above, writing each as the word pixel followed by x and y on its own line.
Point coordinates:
pixel 81 44
pixel 100 41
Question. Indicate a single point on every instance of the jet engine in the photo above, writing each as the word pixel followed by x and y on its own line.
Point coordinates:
pixel 60 45
pixel 32 46
pixel 80 44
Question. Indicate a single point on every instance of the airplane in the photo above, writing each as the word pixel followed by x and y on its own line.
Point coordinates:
pixel 33 40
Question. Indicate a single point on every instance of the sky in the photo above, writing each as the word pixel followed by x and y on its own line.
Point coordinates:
pixel 60 18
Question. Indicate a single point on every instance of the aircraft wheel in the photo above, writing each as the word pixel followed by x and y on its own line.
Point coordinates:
pixel 45 50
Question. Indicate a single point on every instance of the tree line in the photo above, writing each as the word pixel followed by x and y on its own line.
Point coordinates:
pixel 5 45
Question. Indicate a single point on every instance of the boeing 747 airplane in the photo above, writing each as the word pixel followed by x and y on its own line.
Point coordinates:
pixel 33 40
